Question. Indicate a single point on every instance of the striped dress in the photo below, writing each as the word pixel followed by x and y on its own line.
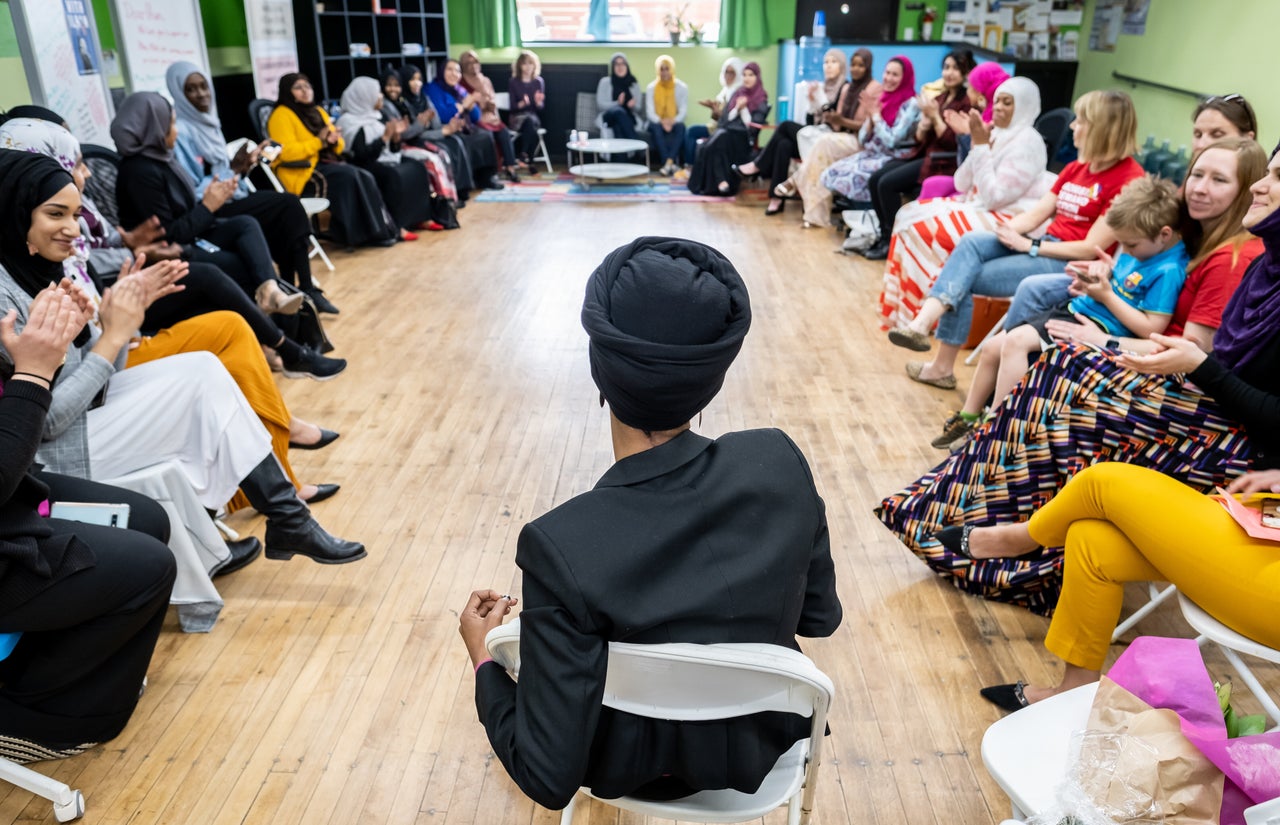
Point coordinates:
pixel 997 184
pixel 1076 407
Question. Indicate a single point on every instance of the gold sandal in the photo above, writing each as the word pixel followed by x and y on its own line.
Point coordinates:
pixel 275 301
pixel 786 189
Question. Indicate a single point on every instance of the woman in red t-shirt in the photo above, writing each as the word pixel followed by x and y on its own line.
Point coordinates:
pixel 1216 193
pixel 994 263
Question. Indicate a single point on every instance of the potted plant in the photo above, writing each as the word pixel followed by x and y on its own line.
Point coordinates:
pixel 674 22
pixel 694 32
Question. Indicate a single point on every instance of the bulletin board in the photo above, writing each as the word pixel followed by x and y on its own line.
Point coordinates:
pixel 1025 29
pixel 58 41
pixel 151 35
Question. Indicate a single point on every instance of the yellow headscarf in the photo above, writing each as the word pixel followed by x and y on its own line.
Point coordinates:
pixel 664 91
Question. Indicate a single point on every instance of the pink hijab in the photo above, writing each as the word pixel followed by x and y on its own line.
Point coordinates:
pixel 890 102
pixel 985 79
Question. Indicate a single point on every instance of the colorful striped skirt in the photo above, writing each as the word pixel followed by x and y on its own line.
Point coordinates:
pixel 924 235
pixel 1076 407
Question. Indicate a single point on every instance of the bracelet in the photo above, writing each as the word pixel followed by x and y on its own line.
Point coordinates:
pixel 48 382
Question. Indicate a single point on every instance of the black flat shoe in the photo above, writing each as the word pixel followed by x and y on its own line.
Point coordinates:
pixel 242 552
pixel 877 252
pixel 778 211
pixel 1006 697
pixel 955 539
pixel 327 437
pixel 324 491
pixel 322 303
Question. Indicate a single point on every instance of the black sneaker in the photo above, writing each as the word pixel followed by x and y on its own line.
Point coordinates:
pixel 954 429
pixel 311 364
pixel 494 184
pixel 322 303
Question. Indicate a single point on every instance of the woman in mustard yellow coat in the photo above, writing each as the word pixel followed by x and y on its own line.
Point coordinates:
pixel 310 164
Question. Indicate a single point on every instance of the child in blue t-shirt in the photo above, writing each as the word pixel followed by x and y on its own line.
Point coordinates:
pixel 1131 295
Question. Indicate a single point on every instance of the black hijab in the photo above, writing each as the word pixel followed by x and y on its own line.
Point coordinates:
pixel 27 180
pixel 621 85
pixel 417 103
pixel 666 317
pixel 853 96
pixel 33 112
pixel 308 113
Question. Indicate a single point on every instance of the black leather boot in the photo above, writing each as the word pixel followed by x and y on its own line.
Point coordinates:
pixel 290 528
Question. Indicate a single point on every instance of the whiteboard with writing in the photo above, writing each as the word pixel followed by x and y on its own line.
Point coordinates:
pixel 152 35
pixel 58 40
pixel 272 44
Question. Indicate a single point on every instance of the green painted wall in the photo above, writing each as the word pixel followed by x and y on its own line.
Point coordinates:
pixel 1215 48
pixel 13 91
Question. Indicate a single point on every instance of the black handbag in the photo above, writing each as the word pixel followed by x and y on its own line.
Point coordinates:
pixel 444 212
pixel 304 327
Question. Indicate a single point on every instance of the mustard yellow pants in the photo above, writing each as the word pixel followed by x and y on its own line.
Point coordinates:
pixel 228 336
pixel 1122 523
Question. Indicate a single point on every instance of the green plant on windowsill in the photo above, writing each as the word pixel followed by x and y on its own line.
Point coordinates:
pixel 693 32
pixel 674 23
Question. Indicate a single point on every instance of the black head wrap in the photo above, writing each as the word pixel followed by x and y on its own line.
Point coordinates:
pixel 27 180
pixel 417 103
pixel 35 113
pixel 666 317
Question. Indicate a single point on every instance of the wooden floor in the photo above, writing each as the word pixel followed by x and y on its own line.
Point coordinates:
pixel 343 694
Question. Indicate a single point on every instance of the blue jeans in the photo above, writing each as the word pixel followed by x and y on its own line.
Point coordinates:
pixel 692 135
pixel 669 144
pixel 981 265
pixel 1035 296
pixel 620 121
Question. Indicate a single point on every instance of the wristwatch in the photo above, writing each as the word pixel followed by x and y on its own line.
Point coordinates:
pixel 1113 343
pixel 1034 251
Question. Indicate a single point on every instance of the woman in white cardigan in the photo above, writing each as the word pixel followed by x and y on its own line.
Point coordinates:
pixel 1003 175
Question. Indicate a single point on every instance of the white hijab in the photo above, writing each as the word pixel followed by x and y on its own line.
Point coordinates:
pixel 359 114
pixel 727 89
pixel 1026 108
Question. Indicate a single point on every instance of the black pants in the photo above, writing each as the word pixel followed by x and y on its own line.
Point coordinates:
pixel 406 190
pixel 888 186
pixel 775 158
pixel 209 289
pixel 502 139
pixel 145 515
pixel 527 136
pixel 243 252
pixel 287 229
pixel 87 640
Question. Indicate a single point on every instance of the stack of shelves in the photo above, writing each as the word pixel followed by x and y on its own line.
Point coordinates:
pixel 327 28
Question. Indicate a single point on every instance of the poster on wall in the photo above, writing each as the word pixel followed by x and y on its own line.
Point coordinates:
pixel 273 48
pixel 1135 16
pixel 1108 17
pixel 82 40
pixel 151 35
pixel 55 67
pixel 1025 29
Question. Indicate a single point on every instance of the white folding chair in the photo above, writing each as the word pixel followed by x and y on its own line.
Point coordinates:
pixel 503 101
pixel 312 206
pixel 700 682
pixel 1157 598
pixel 68 804
pixel 1232 644
pixel 1027 753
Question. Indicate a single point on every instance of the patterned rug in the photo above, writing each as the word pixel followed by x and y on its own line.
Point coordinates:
pixel 564 188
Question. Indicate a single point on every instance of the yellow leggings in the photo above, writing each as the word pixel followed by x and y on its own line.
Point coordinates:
pixel 228 336
pixel 1122 523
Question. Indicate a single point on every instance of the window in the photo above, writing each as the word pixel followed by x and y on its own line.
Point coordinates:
pixel 630 21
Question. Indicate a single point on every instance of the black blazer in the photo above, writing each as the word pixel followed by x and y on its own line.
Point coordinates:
pixel 692 541
pixel 147 187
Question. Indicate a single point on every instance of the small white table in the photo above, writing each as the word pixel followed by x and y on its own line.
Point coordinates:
pixel 607 171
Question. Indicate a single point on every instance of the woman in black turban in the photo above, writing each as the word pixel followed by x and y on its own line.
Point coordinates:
pixel 684 539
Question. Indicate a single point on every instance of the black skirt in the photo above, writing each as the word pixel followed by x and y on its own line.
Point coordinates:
pixel 358 215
